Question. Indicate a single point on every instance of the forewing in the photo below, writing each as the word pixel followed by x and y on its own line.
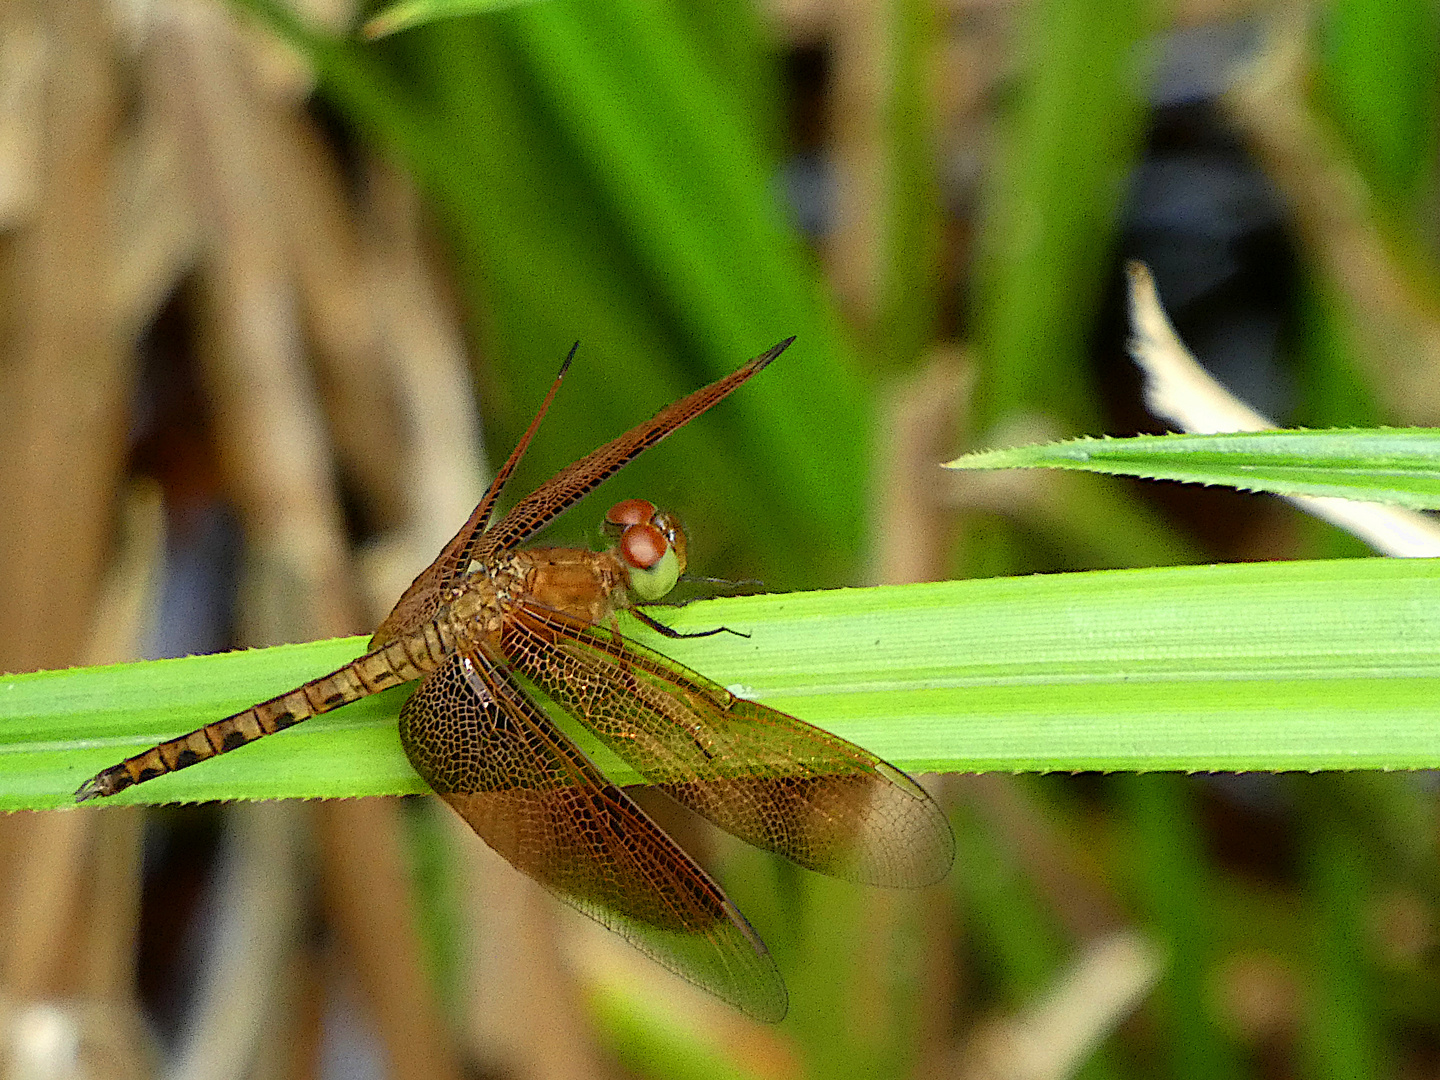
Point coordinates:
pixel 497 758
pixel 579 478
pixel 420 602
pixel 768 778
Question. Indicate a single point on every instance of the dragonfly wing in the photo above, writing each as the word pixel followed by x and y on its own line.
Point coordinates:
pixel 561 491
pixel 768 778
pixel 533 796
pixel 422 599
pixel 420 602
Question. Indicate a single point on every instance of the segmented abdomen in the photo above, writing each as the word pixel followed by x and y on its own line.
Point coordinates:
pixel 398 662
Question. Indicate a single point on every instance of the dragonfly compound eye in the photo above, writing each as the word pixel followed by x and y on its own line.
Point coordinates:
pixel 627 513
pixel 642 546
pixel 653 564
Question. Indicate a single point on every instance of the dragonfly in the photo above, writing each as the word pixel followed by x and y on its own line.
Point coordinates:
pixel 488 616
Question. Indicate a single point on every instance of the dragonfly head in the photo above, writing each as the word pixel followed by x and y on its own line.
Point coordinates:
pixel 651 543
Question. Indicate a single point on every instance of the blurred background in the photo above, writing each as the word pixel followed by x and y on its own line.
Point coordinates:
pixel 275 301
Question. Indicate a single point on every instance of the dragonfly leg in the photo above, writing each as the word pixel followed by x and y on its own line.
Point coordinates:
pixel 666 631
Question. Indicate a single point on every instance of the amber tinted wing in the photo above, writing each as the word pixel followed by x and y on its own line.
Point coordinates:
pixel 557 494
pixel 419 603
pixel 494 756
pixel 768 778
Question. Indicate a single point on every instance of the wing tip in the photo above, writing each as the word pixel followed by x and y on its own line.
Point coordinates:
pixel 771 353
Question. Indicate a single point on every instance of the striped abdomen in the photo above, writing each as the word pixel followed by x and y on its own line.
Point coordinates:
pixel 397 662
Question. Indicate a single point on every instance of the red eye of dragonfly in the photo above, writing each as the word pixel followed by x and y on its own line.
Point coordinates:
pixel 653 564
pixel 486 611
pixel 642 546
pixel 629 512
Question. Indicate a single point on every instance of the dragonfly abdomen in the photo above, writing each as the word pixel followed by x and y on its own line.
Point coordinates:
pixel 397 662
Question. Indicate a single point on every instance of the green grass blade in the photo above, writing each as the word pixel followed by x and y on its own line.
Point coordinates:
pixel 1391 465
pixel 1341 1037
pixel 1074 126
pixel 1168 867
pixel 1304 665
